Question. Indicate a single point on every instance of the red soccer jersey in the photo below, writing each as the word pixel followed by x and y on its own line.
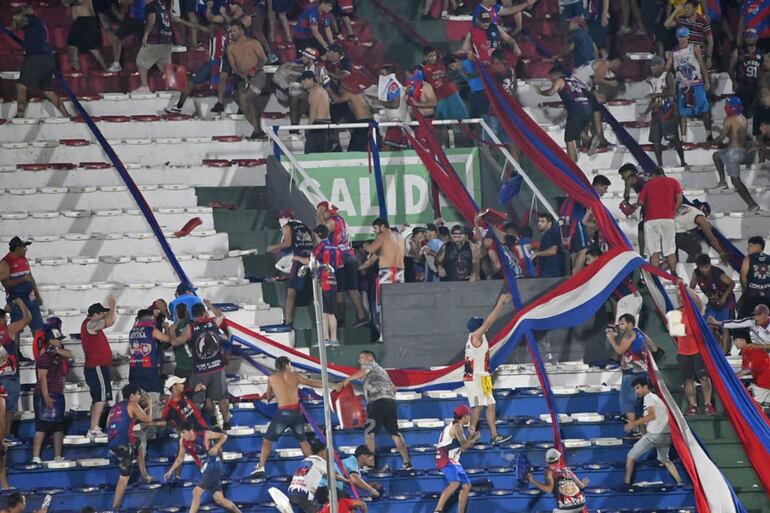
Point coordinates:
pixel 758 362
pixel 659 198
pixel 436 76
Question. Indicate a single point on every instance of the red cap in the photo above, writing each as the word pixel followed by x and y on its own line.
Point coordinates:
pixel 461 411
pixel 323 204
pixel 286 213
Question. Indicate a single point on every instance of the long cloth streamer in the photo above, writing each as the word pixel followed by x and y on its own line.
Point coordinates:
pixel 435 160
pixel 374 149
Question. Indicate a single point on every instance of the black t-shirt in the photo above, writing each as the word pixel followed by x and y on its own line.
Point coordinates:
pixel 761 115
pixel 458 261
pixel 161 33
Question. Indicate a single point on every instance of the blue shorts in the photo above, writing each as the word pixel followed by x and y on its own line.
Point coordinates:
pixel 456 474
pixel 720 314
pixel 206 73
pixel 627 393
pixel 212 471
pixel 693 101
pixel 451 107
pixel 572 10
pixel 34 310
pixel 283 6
pixel 12 386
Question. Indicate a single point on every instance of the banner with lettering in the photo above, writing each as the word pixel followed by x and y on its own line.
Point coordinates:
pixel 348 184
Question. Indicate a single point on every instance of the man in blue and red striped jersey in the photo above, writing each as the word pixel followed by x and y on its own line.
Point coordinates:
pixel 755 14
pixel 329 254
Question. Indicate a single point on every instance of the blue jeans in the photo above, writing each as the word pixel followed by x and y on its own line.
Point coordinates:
pixel 34 309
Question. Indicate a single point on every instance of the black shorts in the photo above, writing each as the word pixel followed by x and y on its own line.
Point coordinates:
pixel 317 141
pixel 287 419
pixel 48 427
pixel 667 129
pixel 85 34
pixel 359 137
pixel 283 6
pixel 340 112
pixel 104 7
pixel 224 66
pixel 297 282
pixel 382 413
pixel 130 27
pixel 329 301
pixel 593 102
pixel 99 383
pixel 577 120
pixel 37 72
pixel 126 456
pixel 301 502
pixel 347 275
pixel 691 366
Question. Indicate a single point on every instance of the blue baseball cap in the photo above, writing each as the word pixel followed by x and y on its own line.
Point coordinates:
pixel 734 101
pixel 184 288
pixel 474 323
pixel 750 33
pixel 682 32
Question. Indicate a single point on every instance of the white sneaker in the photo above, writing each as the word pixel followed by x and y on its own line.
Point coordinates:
pixel 95 433
pixel 173 110
pixel 115 67
pixel 37 461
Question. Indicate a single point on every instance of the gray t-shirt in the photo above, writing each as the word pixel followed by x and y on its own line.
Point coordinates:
pixel 377 383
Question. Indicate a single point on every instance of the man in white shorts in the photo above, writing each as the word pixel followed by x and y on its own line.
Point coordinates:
pixel 476 376
pixel 658 435
pixel 661 198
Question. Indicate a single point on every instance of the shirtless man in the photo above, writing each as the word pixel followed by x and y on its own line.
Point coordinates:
pixel 389 248
pixel 246 58
pixel 85 35
pixel 359 140
pixel 316 141
pixel 284 386
pixel 592 75
pixel 421 93
pixel 731 158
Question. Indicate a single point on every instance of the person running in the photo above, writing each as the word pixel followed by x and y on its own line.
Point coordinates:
pixel 347 275
pixel 658 435
pixel 577 105
pixel 730 159
pixel 283 385
pixel 205 448
pixel 665 120
pixel 389 248
pixel 381 408
pixel 477 377
pixel 451 444
pixel 297 240
pixel 692 80
pixel 563 483
pixel 120 436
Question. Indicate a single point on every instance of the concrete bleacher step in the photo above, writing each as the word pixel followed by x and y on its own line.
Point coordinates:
pixel 691 177
pixel 93 198
pixel 86 270
pixel 104 221
pixel 148 151
pixel 250 172
pixel 108 245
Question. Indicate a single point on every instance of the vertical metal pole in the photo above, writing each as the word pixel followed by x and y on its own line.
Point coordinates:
pixel 315 268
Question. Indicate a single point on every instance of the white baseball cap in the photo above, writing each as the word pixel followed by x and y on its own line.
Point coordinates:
pixel 174 380
pixel 552 456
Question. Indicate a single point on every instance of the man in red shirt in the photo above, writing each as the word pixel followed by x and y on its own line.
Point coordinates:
pixel 96 349
pixel 661 198
pixel 692 367
pixel 756 363
pixel 449 105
